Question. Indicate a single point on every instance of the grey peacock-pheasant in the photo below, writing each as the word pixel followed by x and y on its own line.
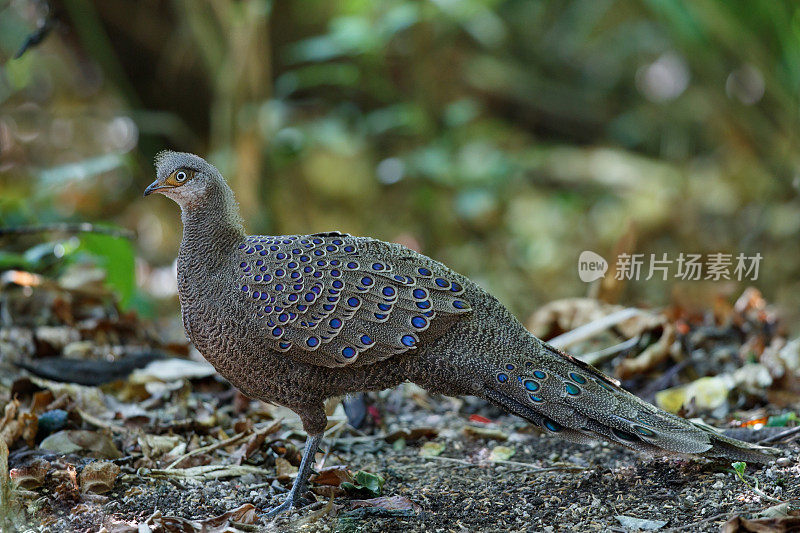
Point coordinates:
pixel 296 319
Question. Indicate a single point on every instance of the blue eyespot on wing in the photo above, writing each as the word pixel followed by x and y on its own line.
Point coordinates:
pixel 333 300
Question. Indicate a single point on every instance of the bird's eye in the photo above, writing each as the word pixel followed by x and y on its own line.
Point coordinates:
pixel 180 176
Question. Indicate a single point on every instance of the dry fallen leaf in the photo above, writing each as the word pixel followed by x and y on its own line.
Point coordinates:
pixel 16 424
pixel 42 399
pixel 157 445
pixel 412 434
pixel 174 369
pixel 431 449
pixel 32 475
pixel 246 514
pixel 333 476
pixel 650 358
pixel 98 477
pixel 284 469
pixel 390 503
pixel 66 479
pixel 75 440
pixel 250 447
pixel 640 524
pixel 477 432
pixel 763 525
pixel 501 453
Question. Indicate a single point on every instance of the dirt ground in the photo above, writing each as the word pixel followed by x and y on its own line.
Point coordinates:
pixel 548 484
pixel 156 443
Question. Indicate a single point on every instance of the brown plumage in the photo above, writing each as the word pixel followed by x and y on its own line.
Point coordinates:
pixel 297 319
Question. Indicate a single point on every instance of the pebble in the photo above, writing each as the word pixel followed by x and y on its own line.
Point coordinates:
pixel 78 349
pixel 718 485
pixel 783 461
pixel 57 336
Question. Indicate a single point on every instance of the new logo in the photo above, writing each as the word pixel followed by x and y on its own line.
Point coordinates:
pixel 591 266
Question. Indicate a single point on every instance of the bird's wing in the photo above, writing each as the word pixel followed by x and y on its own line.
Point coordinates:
pixel 331 299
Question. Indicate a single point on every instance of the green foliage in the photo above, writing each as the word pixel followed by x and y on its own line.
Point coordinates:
pixel 12 260
pixel 501 136
pixel 365 483
pixel 116 256
pixel 739 468
pixel 782 420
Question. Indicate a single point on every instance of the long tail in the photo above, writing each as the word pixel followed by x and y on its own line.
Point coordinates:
pixel 568 397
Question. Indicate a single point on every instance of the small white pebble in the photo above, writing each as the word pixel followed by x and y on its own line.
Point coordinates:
pixel 783 461
pixel 718 484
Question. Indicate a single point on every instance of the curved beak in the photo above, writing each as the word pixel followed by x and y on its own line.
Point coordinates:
pixel 155 187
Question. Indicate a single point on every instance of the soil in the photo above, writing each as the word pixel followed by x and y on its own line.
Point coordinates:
pixel 548 485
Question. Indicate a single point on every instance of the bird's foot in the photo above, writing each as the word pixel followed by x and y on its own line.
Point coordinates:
pixel 292 500
pixel 285 506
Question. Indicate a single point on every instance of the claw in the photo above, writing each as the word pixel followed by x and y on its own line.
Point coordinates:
pixel 287 504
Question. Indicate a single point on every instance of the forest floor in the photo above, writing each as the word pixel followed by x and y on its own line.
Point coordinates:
pixel 168 446
pixel 454 477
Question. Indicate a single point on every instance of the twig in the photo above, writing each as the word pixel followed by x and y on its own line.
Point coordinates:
pixel 93 420
pixel 206 472
pixel 595 358
pixel 334 432
pixel 314 516
pixel 589 330
pixel 780 436
pixel 222 443
pixel 67 227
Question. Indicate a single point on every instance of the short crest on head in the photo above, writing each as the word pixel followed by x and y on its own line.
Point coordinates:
pixel 167 162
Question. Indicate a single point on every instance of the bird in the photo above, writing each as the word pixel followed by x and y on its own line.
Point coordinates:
pixel 297 319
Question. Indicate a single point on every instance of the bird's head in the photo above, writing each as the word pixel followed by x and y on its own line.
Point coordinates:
pixel 183 177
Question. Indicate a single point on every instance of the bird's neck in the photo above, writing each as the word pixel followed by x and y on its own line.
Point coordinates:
pixel 212 229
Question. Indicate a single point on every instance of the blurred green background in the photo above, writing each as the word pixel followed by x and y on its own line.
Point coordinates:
pixel 501 137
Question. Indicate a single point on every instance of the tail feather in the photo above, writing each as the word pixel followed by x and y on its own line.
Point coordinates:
pixel 574 400
pixel 724 447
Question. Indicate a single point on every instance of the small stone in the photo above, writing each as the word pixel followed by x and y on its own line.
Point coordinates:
pixel 78 350
pixel 783 461
pixel 52 421
pixel 57 336
pixel 718 485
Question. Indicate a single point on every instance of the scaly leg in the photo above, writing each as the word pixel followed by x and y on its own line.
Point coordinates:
pixel 299 485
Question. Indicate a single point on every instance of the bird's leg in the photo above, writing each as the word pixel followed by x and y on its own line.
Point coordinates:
pixel 299 485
